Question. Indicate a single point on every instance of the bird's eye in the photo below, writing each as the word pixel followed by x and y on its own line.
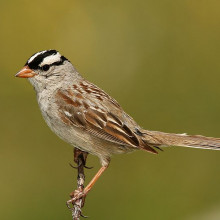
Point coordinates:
pixel 45 67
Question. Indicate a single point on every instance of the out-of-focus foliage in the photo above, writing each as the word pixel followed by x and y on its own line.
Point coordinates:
pixel 160 60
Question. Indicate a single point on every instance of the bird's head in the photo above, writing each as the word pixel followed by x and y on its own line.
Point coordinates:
pixel 46 67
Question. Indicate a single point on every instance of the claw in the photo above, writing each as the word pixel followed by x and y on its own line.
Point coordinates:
pixel 68 205
pixel 74 167
pixel 84 216
pixel 87 167
pixel 71 201
pixel 75 196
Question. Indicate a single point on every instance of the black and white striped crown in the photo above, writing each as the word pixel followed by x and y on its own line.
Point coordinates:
pixel 45 57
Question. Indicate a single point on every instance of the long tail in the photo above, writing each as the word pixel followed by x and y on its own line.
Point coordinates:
pixel 157 139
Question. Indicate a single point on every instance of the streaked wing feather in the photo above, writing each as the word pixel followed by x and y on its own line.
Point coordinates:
pixel 81 110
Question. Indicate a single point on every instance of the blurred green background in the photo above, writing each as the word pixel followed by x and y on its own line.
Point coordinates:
pixel 160 60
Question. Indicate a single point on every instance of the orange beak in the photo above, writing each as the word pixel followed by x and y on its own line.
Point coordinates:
pixel 25 72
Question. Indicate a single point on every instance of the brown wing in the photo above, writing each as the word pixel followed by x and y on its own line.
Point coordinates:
pixel 91 109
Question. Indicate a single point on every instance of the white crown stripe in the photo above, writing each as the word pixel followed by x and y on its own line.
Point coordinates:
pixel 35 55
pixel 51 59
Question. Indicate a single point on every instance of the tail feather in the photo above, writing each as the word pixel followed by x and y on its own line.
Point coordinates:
pixel 156 138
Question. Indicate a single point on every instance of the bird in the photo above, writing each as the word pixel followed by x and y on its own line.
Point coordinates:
pixel 89 119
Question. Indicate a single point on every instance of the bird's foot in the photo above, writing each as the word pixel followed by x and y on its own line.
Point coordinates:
pixel 76 167
pixel 76 195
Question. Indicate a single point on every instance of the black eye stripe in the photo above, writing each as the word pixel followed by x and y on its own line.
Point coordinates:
pixel 45 67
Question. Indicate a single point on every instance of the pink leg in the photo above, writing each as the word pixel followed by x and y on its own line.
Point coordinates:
pixel 78 194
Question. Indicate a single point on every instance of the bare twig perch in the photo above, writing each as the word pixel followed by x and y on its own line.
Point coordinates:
pixel 80 160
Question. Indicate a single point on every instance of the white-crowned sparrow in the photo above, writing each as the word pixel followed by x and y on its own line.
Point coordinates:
pixel 86 117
